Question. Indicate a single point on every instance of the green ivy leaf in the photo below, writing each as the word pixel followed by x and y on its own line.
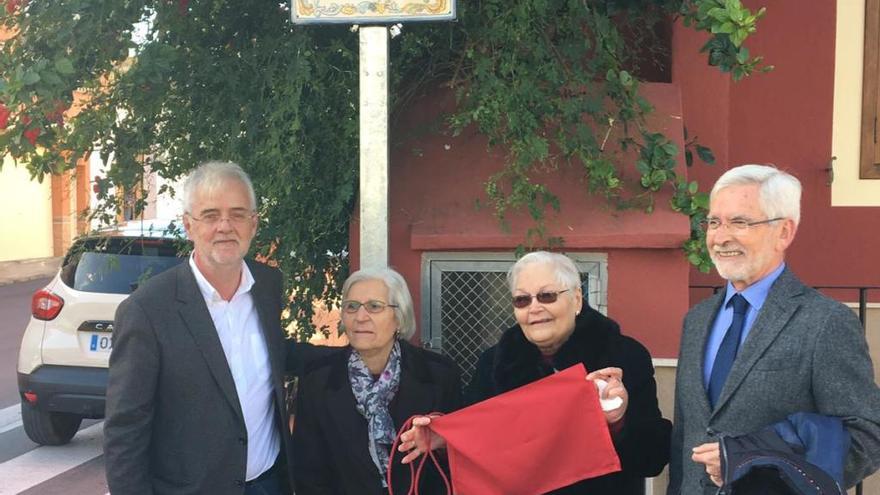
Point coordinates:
pixel 737 36
pixel 706 154
pixel 670 149
pixel 30 78
pixel 719 14
pixel 724 28
pixel 51 78
pixel 64 66
pixel 701 201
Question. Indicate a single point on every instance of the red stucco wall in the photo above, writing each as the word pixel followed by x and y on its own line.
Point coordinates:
pixel 645 296
pixel 436 181
pixel 785 118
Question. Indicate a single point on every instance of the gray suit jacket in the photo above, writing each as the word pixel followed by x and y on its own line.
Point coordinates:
pixel 804 353
pixel 173 420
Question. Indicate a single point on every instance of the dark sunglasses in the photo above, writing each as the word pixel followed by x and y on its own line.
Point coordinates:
pixel 548 297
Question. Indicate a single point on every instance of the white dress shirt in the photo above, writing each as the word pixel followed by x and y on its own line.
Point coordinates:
pixel 238 327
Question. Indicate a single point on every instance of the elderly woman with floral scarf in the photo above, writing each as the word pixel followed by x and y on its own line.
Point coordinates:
pixel 350 404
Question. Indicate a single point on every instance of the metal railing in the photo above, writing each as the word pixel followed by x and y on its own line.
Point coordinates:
pixel 862 309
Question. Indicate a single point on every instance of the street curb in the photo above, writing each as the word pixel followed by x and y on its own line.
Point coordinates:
pixel 30 269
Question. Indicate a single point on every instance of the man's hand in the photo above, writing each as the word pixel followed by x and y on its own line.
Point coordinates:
pixel 709 455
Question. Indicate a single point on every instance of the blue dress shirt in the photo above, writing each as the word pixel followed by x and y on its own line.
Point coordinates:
pixel 755 294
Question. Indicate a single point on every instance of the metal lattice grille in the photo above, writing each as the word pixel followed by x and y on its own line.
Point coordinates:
pixel 466 302
pixel 474 311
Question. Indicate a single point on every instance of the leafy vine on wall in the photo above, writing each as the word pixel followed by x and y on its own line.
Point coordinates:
pixel 171 83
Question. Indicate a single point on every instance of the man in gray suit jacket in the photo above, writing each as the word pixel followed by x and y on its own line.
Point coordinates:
pixel 767 346
pixel 195 400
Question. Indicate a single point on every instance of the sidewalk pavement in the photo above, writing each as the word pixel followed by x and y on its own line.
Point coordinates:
pixel 23 270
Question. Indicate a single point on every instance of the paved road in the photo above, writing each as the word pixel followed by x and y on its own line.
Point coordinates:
pixel 25 467
pixel 15 312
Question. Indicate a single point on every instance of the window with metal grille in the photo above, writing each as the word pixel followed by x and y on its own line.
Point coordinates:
pixel 466 304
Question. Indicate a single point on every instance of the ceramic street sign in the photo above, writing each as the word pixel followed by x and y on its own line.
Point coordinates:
pixel 369 12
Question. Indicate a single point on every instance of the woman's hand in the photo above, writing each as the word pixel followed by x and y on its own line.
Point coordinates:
pixel 614 378
pixel 419 439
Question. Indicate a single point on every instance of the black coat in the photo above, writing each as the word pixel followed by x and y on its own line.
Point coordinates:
pixel 643 442
pixel 330 437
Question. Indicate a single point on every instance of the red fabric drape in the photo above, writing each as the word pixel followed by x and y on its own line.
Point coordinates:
pixel 531 440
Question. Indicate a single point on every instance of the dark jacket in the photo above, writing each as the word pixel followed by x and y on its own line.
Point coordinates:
pixel 330 437
pixel 643 442
pixel 802 454
pixel 174 423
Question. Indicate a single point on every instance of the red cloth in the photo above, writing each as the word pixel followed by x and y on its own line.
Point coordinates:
pixel 534 439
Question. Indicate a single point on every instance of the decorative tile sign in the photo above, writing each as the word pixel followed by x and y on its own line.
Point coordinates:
pixel 367 12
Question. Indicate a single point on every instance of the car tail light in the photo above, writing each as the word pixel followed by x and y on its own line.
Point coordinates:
pixel 45 305
pixel 30 397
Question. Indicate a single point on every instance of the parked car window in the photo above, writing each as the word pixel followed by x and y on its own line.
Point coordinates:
pixel 117 265
pixel 63 365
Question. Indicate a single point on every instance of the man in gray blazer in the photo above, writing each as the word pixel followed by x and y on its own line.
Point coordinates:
pixel 195 400
pixel 767 346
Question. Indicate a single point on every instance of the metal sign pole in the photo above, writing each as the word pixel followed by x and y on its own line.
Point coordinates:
pixel 373 97
pixel 373 146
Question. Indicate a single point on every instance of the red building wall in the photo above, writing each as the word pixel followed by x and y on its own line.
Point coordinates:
pixel 783 117
pixel 436 180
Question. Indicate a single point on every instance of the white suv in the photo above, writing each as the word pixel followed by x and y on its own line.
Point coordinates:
pixel 62 362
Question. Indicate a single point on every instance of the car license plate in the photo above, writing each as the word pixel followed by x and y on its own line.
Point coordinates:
pixel 101 342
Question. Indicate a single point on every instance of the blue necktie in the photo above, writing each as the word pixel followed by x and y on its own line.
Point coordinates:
pixel 729 347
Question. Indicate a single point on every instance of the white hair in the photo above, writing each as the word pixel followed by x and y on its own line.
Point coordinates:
pixel 566 272
pixel 779 193
pixel 211 176
pixel 398 294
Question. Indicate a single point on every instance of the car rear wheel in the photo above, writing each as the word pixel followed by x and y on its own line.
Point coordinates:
pixel 49 428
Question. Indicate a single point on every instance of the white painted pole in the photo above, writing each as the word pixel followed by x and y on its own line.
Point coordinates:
pixel 373 146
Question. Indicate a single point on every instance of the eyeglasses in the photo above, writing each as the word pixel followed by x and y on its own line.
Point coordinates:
pixel 372 306
pixel 547 297
pixel 736 225
pixel 236 217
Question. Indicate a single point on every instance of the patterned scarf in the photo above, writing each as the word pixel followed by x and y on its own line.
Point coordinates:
pixel 373 398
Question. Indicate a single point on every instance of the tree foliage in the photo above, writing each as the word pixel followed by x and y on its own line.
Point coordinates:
pixel 236 80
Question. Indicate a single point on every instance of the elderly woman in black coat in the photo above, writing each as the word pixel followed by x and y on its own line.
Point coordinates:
pixel 350 404
pixel 555 329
